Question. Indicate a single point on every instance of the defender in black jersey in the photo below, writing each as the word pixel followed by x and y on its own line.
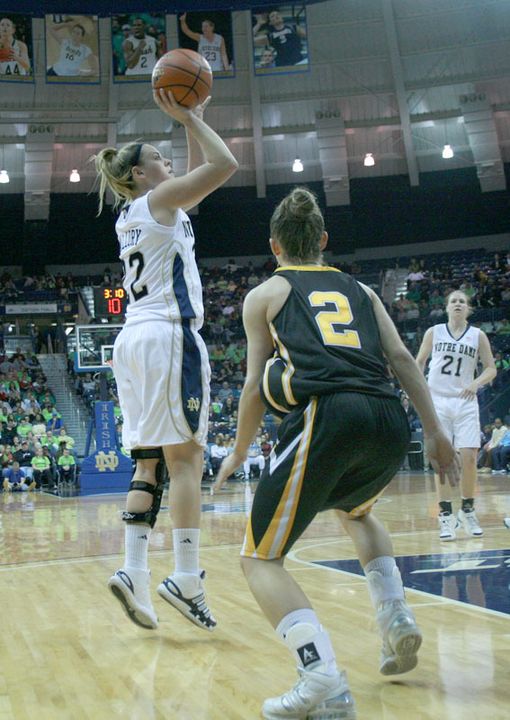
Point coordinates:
pixel 316 345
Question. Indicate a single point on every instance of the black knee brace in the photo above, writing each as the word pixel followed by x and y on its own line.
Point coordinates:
pixel 149 516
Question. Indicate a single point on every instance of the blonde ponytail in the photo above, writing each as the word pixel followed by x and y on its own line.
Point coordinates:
pixel 114 168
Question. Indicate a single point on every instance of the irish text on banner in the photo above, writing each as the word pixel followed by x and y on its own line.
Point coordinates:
pixel 280 40
pixel 138 40
pixel 16 57
pixel 72 49
pixel 210 34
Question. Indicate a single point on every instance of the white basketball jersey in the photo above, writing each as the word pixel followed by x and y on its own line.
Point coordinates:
pixel 160 272
pixel 147 59
pixel 71 58
pixel 211 50
pixel 453 362
pixel 11 67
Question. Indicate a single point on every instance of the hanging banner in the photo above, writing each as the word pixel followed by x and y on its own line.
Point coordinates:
pixel 138 40
pixel 16 48
pixel 210 34
pixel 280 40
pixel 72 49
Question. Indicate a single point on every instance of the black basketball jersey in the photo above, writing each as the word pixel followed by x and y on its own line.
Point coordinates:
pixel 326 340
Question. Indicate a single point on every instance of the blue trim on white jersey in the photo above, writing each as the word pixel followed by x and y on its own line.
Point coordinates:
pixel 181 290
pixel 191 378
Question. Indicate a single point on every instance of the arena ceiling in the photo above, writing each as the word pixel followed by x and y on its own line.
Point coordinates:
pixel 395 78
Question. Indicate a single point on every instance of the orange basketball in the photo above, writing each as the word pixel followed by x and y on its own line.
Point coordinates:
pixel 186 73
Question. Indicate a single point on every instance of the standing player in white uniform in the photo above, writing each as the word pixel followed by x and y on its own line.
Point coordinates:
pixel 140 50
pixel 210 45
pixel 456 349
pixel 14 60
pixel 160 361
pixel 75 57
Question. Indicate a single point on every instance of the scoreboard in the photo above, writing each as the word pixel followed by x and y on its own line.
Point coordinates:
pixel 110 302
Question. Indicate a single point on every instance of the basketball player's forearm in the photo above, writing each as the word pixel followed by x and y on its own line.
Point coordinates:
pixel 486 377
pixel 195 154
pixel 413 382
pixel 214 149
pixel 251 412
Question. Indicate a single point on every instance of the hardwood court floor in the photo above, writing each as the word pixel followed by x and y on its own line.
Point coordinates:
pixel 69 653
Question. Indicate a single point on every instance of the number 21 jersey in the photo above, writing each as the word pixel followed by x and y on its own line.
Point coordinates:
pixel 453 362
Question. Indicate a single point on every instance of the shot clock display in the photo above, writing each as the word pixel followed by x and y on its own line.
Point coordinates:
pixel 110 301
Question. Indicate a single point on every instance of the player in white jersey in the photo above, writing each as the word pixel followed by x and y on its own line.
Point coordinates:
pixel 141 51
pixel 210 45
pixel 160 361
pixel 456 348
pixel 14 60
pixel 75 57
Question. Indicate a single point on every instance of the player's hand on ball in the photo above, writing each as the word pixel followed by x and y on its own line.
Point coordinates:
pixel 167 103
pixel 200 109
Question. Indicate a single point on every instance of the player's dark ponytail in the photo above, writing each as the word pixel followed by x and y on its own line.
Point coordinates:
pixel 297 224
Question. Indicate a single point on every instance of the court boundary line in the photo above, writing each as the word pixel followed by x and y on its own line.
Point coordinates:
pixel 440 599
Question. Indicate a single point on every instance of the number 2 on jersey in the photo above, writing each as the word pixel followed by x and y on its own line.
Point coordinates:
pixel 137 258
pixel 327 319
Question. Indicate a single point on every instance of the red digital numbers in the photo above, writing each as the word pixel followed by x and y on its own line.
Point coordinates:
pixel 114 306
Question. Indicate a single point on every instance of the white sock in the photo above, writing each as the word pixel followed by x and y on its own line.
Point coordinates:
pixel 305 637
pixel 383 580
pixel 186 547
pixel 136 544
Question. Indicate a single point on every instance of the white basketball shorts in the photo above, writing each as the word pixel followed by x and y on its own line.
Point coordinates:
pixel 460 419
pixel 162 373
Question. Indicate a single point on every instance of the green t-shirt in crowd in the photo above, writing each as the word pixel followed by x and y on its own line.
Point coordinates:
pixel 40 462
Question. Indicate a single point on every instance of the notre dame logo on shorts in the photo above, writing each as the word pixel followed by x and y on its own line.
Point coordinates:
pixel 107 461
pixel 193 404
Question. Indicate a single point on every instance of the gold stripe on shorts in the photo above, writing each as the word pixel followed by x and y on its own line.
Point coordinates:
pixel 272 544
pixel 366 506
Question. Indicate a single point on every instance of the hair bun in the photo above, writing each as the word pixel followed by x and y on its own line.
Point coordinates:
pixel 301 203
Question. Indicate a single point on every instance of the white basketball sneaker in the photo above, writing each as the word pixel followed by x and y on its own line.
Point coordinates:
pixel 401 638
pixel 448 523
pixel 469 522
pixel 132 590
pixel 191 603
pixel 316 696
pixel 506 522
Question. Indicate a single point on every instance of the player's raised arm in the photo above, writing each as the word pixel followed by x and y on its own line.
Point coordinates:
pixel 219 163
pixel 187 30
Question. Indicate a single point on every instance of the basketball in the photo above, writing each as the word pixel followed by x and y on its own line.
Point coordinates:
pixel 186 73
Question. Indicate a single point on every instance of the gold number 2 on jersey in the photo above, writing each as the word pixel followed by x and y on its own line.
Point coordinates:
pixel 326 320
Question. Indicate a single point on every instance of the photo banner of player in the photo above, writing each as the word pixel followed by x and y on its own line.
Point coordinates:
pixel 72 49
pixel 16 58
pixel 210 34
pixel 138 40
pixel 280 40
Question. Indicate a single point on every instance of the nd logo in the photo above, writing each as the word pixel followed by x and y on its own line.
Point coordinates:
pixel 193 404
pixel 107 461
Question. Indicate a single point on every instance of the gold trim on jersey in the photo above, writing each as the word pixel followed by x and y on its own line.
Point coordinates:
pixel 289 367
pixel 275 538
pixel 266 388
pixel 308 268
pixel 365 507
